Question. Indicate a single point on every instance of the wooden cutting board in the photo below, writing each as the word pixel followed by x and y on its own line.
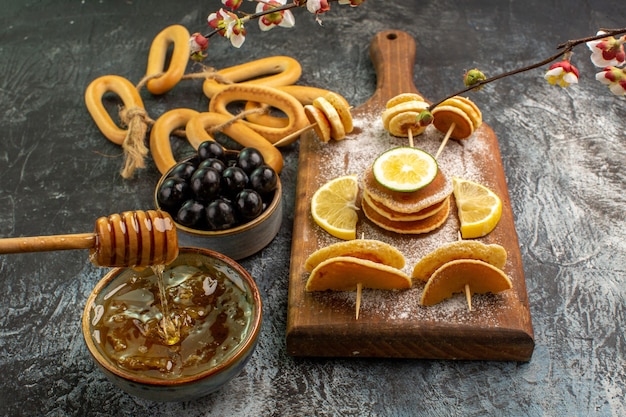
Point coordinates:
pixel 393 323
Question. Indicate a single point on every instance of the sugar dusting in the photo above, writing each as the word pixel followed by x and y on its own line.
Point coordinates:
pixel 459 158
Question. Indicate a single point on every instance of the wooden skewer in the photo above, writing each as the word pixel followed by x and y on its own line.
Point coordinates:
pixel 290 137
pixel 468 297
pixel 468 292
pixel 410 137
pixel 445 139
pixel 359 289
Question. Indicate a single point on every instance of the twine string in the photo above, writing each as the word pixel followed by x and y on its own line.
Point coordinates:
pixel 135 150
pixel 137 121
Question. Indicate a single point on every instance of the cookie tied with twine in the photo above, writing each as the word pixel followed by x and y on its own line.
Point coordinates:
pixel 135 150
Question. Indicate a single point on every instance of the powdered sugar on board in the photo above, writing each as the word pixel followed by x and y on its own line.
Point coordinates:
pixel 459 159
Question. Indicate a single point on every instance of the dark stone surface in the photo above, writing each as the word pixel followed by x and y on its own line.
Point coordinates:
pixel 563 152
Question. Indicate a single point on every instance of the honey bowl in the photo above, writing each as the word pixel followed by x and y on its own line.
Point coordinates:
pixel 215 312
pixel 244 238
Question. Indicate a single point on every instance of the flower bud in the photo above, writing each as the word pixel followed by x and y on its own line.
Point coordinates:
pixel 197 44
pixel 472 77
pixel 425 118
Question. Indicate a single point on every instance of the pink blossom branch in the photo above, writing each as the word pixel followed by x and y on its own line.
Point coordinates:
pixel 275 9
pixel 564 48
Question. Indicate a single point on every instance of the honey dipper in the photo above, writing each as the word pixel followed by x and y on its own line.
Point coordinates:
pixel 129 239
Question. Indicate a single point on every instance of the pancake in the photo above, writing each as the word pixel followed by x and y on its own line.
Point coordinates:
pixel 407 202
pixel 402 123
pixel 469 107
pixel 403 97
pixel 343 110
pixel 344 273
pixel 408 227
pixel 493 254
pixel 337 130
pixel 445 115
pixel 369 249
pixel 406 106
pixel 452 277
pixel 392 215
pixel 320 123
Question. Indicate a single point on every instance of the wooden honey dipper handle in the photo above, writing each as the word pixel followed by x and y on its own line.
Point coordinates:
pixel 129 239
pixel 47 243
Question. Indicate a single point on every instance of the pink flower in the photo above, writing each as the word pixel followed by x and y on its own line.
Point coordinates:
pixel 232 4
pixel 608 51
pixel 615 78
pixel 198 44
pixel 228 25
pixel 282 18
pixel 562 73
pixel 317 6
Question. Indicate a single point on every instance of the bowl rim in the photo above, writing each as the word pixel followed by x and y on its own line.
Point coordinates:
pixel 240 352
pixel 271 208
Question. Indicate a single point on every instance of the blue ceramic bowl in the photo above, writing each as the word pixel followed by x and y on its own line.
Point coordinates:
pixel 218 303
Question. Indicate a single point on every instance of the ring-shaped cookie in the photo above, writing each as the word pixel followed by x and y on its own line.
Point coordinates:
pixel 304 94
pixel 286 103
pixel 175 35
pixel 94 93
pixel 272 72
pixel 197 132
pixel 263 118
pixel 160 145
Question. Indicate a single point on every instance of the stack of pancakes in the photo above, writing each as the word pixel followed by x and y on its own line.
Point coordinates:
pixel 416 212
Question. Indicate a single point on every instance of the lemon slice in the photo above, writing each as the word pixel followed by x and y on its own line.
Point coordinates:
pixel 479 208
pixel 333 207
pixel 405 169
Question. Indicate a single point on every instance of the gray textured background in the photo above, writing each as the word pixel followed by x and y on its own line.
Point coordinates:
pixel 564 157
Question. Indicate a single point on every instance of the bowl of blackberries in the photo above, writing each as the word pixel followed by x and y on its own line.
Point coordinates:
pixel 224 200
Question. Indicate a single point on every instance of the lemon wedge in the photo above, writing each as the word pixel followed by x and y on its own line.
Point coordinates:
pixel 479 208
pixel 405 169
pixel 334 209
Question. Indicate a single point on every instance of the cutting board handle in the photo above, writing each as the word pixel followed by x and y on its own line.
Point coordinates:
pixel 393 55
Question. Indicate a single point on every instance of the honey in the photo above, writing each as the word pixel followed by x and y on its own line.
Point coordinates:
pixel 195 321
